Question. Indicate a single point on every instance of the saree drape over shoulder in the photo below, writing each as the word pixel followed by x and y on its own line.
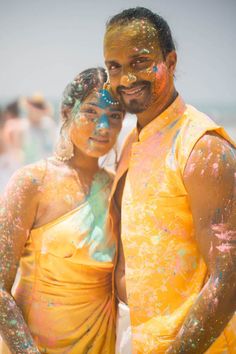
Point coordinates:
pixel 65 288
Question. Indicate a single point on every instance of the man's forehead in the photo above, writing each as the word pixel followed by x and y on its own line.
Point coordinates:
pixel 138 37
pixel 137 32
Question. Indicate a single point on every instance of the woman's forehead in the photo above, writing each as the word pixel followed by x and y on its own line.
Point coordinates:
pixel 102 99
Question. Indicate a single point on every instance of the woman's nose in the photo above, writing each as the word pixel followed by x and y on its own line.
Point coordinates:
pixel 103 123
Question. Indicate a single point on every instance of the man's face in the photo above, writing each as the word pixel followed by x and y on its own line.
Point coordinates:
pixel 138 73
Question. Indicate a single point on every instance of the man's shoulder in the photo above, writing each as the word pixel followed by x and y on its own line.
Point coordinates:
pixel 195 126
pixel 196 117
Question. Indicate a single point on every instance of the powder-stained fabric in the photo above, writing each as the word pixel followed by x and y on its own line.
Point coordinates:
pixel 164 270
pixel 65 290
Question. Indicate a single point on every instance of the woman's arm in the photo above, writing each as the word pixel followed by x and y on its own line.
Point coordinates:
pixel 17 213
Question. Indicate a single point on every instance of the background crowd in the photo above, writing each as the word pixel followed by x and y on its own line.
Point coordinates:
pixel 28 132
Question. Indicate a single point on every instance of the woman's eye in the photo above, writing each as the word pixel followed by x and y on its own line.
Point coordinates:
pixel 115 116
pixel 90 111
pixel 89 114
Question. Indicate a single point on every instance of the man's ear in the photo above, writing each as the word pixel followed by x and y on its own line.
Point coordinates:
pixel 171 61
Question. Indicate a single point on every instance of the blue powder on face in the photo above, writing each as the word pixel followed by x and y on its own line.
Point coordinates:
pixel 155 69
pixel 103 122
pixel 105 99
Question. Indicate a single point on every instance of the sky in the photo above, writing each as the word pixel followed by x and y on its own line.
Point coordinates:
pixel 45 43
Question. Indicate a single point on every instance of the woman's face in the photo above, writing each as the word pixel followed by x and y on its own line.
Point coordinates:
pixel 95 127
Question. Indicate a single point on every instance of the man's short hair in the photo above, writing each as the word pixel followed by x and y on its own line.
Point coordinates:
pixel 165 40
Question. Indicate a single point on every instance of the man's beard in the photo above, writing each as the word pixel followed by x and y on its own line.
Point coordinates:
pixel 136 105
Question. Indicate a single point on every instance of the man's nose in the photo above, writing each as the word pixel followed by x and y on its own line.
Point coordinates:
pixel 103 123
pixel 127 79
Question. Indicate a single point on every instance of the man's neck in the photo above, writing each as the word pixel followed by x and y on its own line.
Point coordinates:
pixel 156 109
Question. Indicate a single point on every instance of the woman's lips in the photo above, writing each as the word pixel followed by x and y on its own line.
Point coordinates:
pixel 100 140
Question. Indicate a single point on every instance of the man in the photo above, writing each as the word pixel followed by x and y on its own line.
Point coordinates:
pixel 175 186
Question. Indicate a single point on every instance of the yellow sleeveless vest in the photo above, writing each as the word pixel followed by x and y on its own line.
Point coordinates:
pixel 164 269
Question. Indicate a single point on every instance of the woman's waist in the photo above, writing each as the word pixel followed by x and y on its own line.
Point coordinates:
pixel 64 290
pixel 54 269
pixel 86 281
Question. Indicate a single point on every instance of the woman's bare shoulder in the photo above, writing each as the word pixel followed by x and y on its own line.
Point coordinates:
pixel 27 179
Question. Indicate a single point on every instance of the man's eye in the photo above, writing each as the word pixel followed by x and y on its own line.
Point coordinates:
pixel 140 63
pixel 113 68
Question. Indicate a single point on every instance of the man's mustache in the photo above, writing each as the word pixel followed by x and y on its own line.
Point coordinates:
pixel 133 85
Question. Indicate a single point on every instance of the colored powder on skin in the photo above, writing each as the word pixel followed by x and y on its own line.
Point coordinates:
pixel 221 233
pixel 103 122
pixel 224 248
pixel 105 99
pixel 144 51
pixel 191 168
pixel 223 157
pixel 211 249
pixel 155 69
pixel 208 143
pixel 209 156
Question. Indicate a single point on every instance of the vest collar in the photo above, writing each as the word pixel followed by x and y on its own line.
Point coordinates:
pixel 166 118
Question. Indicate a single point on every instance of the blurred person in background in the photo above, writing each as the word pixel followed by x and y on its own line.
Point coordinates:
pixel 40 130
pixel 10 158
pixel 13 131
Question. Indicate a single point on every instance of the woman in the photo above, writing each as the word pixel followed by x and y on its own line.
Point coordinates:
pixel 52 222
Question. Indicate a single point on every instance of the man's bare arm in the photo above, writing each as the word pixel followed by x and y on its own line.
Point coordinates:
pixel 210 180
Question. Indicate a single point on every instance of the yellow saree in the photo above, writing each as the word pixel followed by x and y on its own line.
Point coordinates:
pixel 65 288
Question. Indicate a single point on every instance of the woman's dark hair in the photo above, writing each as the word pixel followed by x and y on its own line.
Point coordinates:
pixel 165 40
pixel 82 85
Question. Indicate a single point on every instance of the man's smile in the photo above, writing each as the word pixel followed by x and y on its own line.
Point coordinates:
pixel 133 91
